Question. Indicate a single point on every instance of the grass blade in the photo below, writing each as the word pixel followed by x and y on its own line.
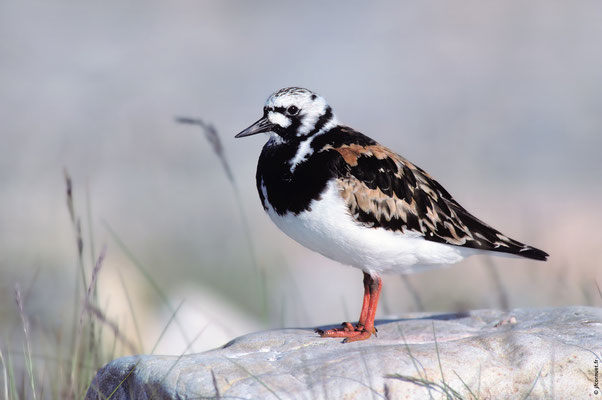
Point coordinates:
pixel 123 380
pixel 183 353
pixel 133 314
pixel 502 294
pixel 213 139
pixel 145 274
pixel 5 374
pixel 438 356
pixel 262 383
pixel 413 292
pixel 98 314
pixel 216 144
pixel 27 350
pixel 533 384
pixel 466 386
pixel 171 319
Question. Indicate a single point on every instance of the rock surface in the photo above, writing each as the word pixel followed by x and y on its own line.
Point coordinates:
pixel 535 353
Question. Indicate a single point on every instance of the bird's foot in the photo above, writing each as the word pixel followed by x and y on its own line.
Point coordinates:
pixel 348 331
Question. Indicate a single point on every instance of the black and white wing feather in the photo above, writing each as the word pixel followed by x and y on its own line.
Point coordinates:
pixel 383 189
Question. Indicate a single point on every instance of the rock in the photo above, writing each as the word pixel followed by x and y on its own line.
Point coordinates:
pixel 486 354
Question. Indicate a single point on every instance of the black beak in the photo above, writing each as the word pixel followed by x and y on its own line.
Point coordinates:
pixel 263 125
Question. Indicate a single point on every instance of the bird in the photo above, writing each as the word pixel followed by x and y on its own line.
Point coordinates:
pixel 340 193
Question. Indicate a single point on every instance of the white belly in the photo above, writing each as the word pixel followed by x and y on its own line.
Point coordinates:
pixel 329 229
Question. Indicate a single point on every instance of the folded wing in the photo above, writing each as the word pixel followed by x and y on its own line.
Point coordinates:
pixel 383 189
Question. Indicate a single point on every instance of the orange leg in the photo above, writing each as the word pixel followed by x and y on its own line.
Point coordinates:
pixel 365 326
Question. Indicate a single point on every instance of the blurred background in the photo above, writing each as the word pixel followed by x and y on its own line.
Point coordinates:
pixel 500 102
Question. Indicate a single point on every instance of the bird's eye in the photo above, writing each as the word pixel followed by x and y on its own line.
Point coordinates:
pixel 292 110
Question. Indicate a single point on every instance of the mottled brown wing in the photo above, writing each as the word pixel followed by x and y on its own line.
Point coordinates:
pixel 383 189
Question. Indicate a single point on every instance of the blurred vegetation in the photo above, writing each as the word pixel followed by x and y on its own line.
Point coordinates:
pixel 59 360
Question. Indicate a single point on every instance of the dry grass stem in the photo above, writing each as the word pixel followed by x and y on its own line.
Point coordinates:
pixel 28 360
pixel 213 139
pixel 216 144
pixel 99 315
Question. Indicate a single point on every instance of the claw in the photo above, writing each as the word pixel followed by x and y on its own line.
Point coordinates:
pixel 362 336
pixel 348 331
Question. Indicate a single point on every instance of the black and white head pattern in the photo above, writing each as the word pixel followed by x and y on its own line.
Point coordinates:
pixel 294 117
pixel 297 113
pixel 293 114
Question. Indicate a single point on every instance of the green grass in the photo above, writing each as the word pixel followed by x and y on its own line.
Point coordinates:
pixel 60 364
pixel 443 387
pixel 65 371
pixel 45 363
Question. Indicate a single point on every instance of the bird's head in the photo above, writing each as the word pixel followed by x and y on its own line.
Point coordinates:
pixel 292 114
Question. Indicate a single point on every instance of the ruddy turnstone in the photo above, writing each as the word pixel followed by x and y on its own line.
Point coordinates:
pixel 342 194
